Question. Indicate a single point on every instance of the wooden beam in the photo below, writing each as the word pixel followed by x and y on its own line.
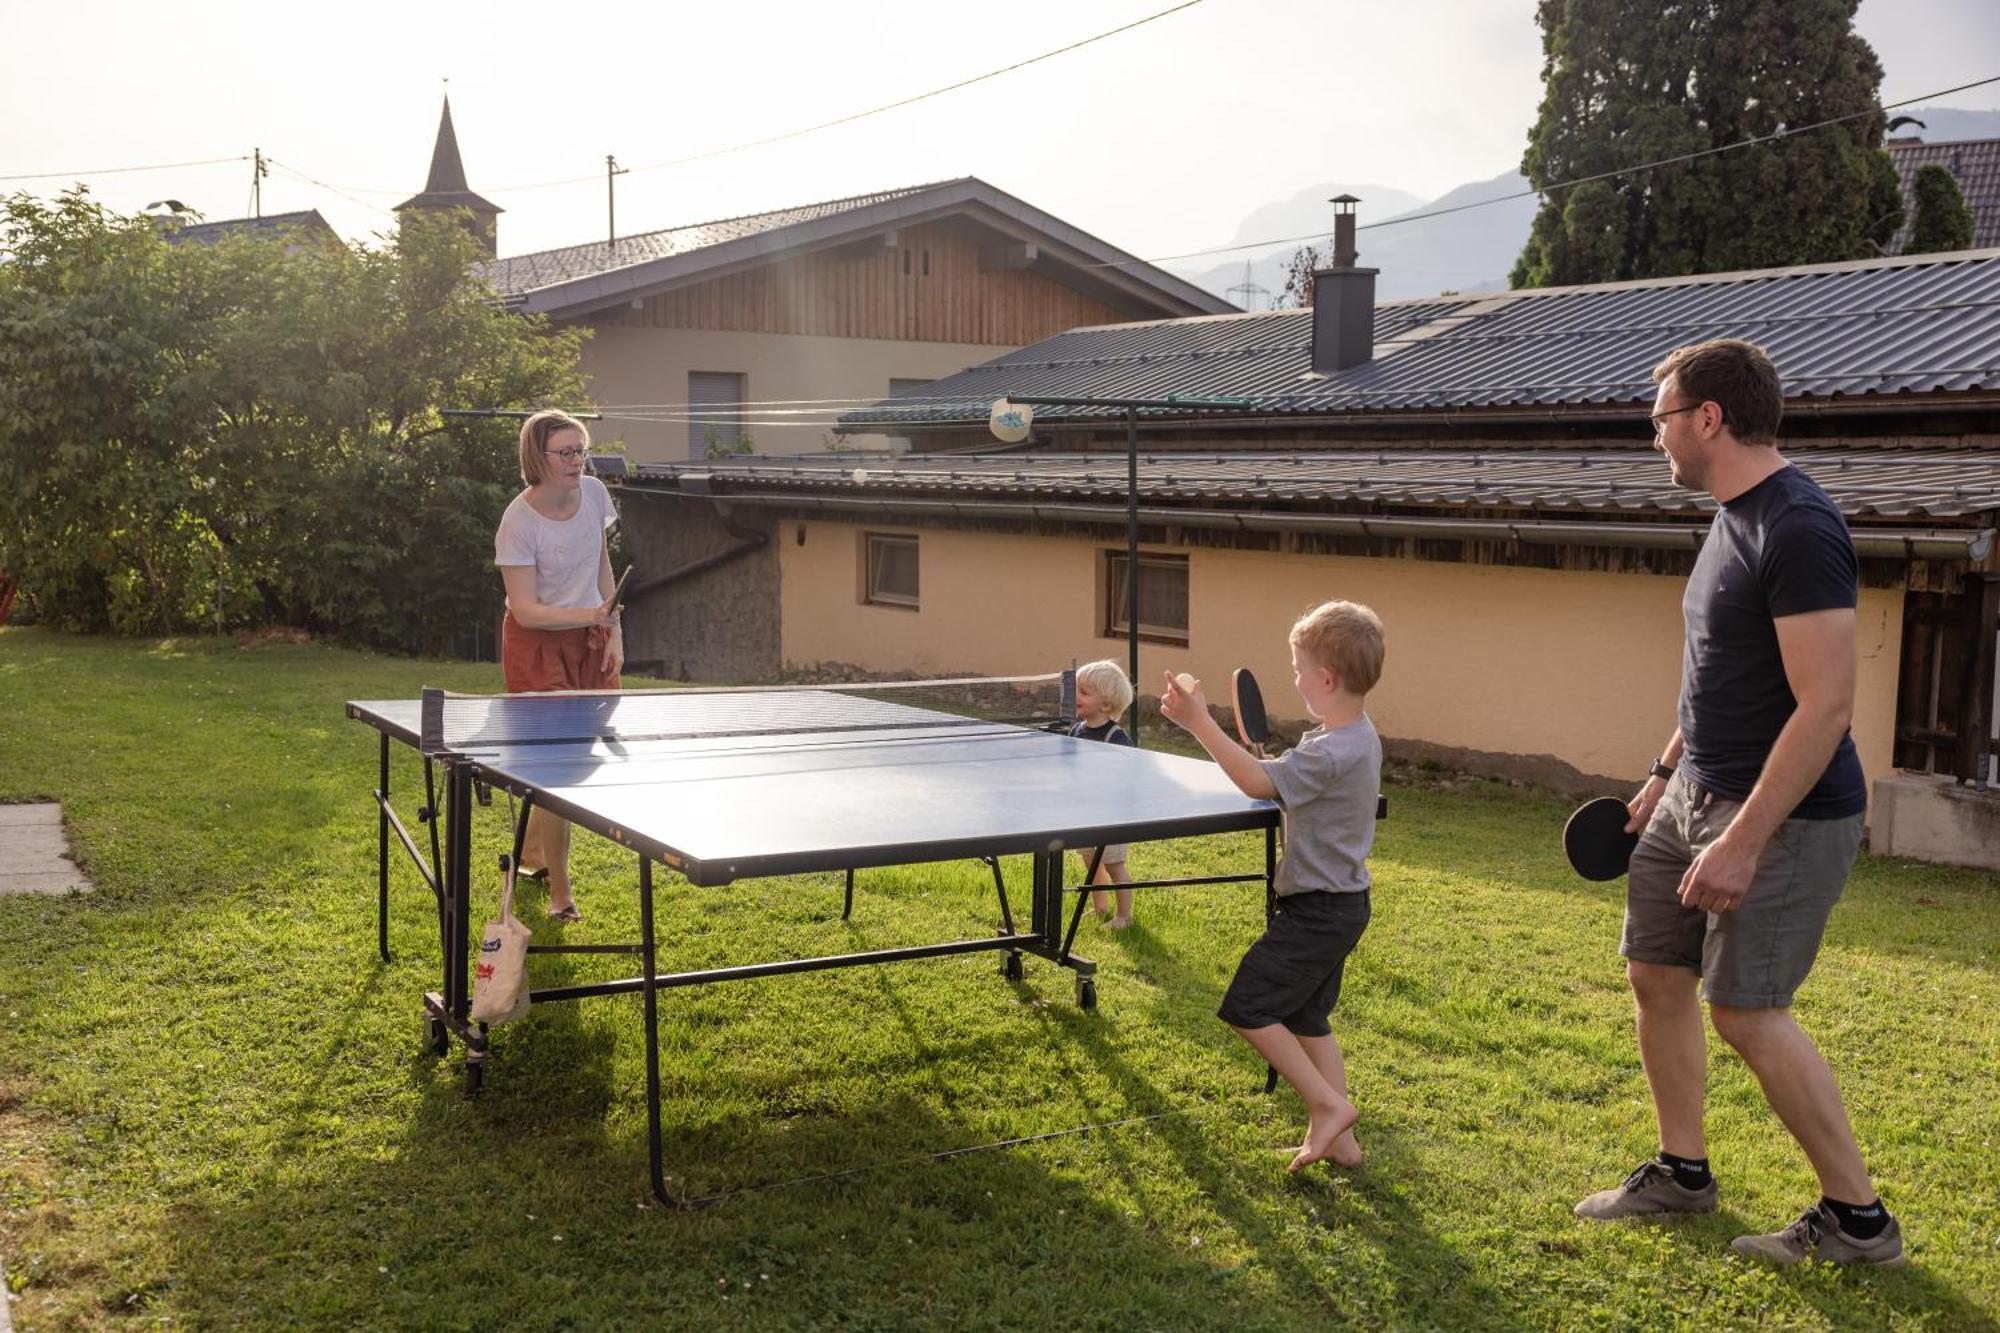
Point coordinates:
pixel 868 247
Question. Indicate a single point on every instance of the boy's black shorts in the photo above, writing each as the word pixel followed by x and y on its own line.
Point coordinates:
pixel 1291 975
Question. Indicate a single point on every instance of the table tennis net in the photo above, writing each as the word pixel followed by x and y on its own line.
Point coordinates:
pixel 458 722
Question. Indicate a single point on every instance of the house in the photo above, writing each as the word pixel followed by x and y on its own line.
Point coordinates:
pixel 756 332
pixel 764 328
pixel 302 228
pixel 1973 163
pixel 1481 473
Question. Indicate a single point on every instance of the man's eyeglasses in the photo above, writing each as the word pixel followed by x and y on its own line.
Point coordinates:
pixel 568 453
pixel 1659 419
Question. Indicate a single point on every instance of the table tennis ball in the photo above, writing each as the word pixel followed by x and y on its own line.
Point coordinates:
pixel 861 474
pixel 1186 682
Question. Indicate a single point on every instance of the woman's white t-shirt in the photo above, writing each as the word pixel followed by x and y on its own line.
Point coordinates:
pixel 565 553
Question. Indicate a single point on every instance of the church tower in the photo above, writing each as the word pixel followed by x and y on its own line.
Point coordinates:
pixel 446 189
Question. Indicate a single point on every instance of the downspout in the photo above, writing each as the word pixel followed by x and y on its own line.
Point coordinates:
pixel 747 540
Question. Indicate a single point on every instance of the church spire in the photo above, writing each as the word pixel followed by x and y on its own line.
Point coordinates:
pixel 446 189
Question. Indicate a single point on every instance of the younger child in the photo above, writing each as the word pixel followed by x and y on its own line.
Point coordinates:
pixel 1102 696
pixel 1286 986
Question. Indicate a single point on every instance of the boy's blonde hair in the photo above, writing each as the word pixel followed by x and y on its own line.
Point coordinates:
pixel 1346 639
pixel 1107 681
pixel 535 433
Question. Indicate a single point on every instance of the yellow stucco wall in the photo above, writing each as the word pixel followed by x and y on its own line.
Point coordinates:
pixel 1580 666
pixel 640 365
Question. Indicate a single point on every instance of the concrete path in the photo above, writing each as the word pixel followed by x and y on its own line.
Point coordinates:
pixel 34 854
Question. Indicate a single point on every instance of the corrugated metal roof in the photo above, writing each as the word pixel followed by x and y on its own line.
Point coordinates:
pixel 1974 163
pixel 1865 483
pixel 1868 328
pixel 518 274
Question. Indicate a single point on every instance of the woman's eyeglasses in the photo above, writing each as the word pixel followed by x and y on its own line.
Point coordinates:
pixel 568 453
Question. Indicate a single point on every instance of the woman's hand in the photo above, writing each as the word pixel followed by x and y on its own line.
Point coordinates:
pixel 613 660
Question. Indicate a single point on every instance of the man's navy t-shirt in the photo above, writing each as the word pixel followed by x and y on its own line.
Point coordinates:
pixel 1779 549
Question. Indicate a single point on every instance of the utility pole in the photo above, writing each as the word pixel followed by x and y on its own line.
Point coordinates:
pixel 612 171
pixel 258 171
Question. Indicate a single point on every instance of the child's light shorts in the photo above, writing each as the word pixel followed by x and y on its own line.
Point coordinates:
pixel 1114 855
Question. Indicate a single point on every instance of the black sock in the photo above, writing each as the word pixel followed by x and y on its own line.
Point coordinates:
pixel 1690 1173
pixel 1863 1221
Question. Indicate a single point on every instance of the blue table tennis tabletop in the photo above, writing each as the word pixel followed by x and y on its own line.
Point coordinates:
pixel 722 786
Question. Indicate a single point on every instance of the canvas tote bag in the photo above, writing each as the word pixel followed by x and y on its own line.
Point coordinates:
pixel 500 990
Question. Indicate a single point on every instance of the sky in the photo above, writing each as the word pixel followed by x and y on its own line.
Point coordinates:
pixel 1160 140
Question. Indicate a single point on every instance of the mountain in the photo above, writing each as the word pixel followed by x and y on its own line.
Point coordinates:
pixel 1469 251
pixel 1461 252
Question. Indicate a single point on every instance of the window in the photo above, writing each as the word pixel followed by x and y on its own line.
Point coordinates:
pixel 715 414
pixel 889 570
pixel 1163 597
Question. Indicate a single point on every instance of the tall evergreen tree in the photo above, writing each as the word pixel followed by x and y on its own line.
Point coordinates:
pixel 1623 86
pixel 1942 222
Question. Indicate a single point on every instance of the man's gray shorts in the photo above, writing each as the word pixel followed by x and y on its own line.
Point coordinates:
pixel 1756 956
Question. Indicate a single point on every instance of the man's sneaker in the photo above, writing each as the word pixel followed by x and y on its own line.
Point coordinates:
pixel 1650 1189
pixel 1817 1235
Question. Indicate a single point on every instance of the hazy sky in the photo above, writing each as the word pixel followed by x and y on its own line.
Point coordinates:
pixel 1159 140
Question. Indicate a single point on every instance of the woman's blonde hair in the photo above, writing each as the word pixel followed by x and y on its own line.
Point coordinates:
pixel 535 433
pixel 1346 639
pixel 1107 681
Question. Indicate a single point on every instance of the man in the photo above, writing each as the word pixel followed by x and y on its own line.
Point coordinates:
pixel 1753 813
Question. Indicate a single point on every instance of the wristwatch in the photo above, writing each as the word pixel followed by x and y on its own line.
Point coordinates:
pixel 1660 769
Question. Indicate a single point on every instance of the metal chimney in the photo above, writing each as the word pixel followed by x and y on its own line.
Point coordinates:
pixel 1343 300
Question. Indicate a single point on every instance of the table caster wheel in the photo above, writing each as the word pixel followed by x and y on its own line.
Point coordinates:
pixel 1086 993
pixel 437 1040
pixel 475 1076
pixel 1011 967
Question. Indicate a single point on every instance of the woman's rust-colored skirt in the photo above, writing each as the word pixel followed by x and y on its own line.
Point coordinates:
pixel 554 659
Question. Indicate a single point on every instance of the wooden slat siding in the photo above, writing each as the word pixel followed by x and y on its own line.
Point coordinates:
pixel 873 298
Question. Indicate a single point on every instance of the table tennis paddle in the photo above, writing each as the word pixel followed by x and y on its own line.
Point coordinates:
pixel 1252 726
pixel 1595 839
pixel 618 592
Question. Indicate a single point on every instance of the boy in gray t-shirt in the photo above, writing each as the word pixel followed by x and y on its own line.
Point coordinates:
pixel 1286 986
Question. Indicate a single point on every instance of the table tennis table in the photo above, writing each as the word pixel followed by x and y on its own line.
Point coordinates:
pixel 725 785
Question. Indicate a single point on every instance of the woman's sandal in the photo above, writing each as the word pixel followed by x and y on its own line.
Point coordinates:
pixel 568 915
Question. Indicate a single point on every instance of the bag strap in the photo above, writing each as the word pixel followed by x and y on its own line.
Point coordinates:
pixel 507 869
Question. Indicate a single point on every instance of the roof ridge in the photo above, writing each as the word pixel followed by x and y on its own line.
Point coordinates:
pixel 892 192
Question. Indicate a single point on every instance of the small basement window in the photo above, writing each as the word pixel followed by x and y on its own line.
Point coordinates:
pixel 889 570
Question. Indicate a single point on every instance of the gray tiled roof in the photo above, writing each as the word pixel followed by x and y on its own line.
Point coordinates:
pixel 524 273
pixel 1976 165
pixel 1866 483
pixel 1875 327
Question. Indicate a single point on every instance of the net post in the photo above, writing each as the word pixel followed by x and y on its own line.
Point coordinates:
pixel 1069 694
pixel 430 733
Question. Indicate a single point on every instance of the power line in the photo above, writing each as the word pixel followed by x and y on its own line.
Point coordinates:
pixel 114 171
pixel 296 174
pixel 828 124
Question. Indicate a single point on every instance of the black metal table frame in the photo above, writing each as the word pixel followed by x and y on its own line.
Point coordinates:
pixel 449 876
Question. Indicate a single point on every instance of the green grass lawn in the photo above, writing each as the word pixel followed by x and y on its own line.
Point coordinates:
pixel 214 1109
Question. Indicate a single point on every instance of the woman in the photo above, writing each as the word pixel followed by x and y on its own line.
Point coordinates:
pixel 560 632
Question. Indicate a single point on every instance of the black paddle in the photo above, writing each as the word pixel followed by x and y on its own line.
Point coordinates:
pixel 618 591
pixel 1252 726
pixel 1595 839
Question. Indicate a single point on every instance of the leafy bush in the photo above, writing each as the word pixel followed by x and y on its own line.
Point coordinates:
pixel 249 433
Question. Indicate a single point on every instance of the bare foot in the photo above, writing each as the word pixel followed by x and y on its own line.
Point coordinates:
pixel 1346 1151
pixel 1327 1125
pixel 1118 923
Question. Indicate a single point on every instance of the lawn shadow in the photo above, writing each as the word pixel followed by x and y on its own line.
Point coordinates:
pixel 1433 1281
pixel 529 1209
